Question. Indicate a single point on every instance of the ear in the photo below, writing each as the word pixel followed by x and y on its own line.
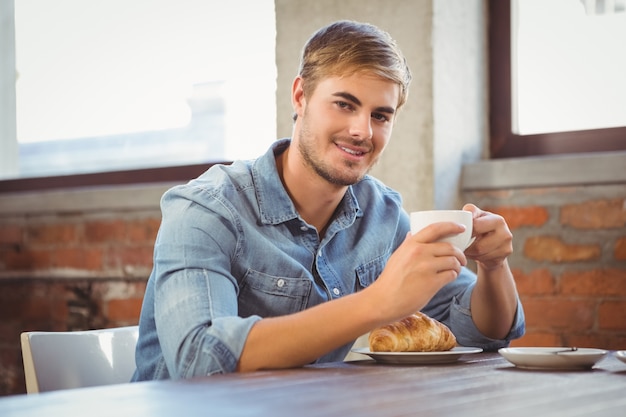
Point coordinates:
pixel 298 101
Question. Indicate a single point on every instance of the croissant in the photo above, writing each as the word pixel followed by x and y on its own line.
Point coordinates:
pixel 415 333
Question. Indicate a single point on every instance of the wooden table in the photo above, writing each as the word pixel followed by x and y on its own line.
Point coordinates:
pixel 482 384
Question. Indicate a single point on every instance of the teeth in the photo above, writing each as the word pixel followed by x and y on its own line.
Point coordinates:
pixel 350 151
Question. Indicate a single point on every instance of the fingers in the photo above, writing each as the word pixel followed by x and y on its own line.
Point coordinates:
pixel 428 243
pixel 447 266
pixel 438 231
pixel 476 212
pixel 492 231
pixel 494 240
pixel 436 257
pixel 496 244
pixel 419 268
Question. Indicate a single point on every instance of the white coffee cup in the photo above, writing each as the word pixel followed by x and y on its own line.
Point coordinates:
pixel 421 219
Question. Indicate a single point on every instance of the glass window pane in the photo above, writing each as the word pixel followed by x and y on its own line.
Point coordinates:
pixel 118 84
pixel 569 65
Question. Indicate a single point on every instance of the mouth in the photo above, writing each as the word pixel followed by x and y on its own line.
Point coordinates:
pixel 352 151
pixel 355 152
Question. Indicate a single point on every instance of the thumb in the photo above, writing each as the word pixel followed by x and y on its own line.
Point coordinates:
pixel 476 212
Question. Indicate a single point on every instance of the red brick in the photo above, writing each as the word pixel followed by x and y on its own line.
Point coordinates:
pixel 77 258
pixel 552 313
pixel 619 253
pixel 598 214
pixel 549 191
pixel 121 256
pixel 105 231
pixel 598 282
pixel 516 217
pixel 35 308
pixel 538 338
pixel 18 259
pixel 537 282
pixel 12 375
pixel 612 315
pixel 56 257
pixel 143 231
pixel 553 249
pixel 46 234
pixel 124 309
pixel 604 340
pixel 10 234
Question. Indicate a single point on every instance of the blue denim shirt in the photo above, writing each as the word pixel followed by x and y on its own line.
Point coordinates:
pixel 232 249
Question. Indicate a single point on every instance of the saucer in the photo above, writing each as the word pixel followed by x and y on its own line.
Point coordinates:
pixel 418 358
pixel 557 358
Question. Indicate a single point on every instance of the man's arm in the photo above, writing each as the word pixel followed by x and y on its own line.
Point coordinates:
pixel 494 298
pixel 412 276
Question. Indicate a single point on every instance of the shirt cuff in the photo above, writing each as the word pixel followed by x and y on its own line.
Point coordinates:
pixel 466 332
pixel 229 335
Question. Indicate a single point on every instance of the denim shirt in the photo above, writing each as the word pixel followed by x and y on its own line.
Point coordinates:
pixel 232 249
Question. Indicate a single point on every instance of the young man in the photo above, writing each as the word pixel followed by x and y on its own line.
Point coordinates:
pixel 286 260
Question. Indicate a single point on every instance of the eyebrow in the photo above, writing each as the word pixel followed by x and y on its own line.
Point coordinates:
pixel 352 98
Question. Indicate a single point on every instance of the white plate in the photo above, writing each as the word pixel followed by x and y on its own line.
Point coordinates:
pixel 553 357
pixel 621 355
pixel 418 357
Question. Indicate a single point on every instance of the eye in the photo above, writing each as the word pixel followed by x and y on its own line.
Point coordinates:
pixel 380 117
pixel 344 105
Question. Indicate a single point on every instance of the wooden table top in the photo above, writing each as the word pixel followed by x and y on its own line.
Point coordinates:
pixel 483 384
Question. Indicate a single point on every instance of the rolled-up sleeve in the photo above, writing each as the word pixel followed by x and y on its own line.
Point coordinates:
pixel 195 305
pixel 198 335
pixel 451 306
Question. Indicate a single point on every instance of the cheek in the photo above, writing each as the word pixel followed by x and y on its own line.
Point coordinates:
pixel 382 136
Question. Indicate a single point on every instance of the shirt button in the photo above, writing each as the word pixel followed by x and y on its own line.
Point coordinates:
pixel 336 291
pixel 304 228
pixel 280 283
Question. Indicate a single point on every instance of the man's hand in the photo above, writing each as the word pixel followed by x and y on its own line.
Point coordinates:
pixel 418 268
pixel 494 241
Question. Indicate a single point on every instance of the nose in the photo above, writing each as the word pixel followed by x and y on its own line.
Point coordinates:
pixel 361 126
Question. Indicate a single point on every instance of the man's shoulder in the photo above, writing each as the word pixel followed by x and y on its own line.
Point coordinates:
pixel 224 174
pixel 218 179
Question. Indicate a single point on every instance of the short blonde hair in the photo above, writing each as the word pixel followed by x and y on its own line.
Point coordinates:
pixel 346 47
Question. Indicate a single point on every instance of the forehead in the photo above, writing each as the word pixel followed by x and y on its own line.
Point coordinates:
pixel 367 88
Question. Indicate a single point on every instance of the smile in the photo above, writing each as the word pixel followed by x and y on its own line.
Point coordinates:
pixel 352 151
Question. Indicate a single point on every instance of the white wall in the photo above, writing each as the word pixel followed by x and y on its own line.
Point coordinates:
pixel 459 94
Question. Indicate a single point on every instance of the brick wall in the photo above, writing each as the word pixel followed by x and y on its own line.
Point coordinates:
pixel 569 261
pixel 70 271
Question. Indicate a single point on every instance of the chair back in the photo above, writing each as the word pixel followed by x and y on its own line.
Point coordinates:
pixel 62 360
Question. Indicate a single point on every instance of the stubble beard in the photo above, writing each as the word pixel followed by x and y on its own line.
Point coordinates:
pixel 341 176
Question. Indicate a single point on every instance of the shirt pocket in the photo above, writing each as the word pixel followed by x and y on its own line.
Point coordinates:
pixel 268 295
pixel 368 272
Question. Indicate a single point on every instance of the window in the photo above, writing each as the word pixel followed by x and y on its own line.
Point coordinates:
pixel 114 85
pixel 536 93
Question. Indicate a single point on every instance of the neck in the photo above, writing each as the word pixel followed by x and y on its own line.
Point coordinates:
pixel 315 199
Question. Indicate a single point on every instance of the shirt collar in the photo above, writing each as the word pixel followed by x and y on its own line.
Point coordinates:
pixel 275 205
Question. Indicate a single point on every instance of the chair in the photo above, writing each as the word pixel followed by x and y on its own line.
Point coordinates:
pixel 62 360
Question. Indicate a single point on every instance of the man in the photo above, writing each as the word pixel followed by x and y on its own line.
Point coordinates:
pixel 287 259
